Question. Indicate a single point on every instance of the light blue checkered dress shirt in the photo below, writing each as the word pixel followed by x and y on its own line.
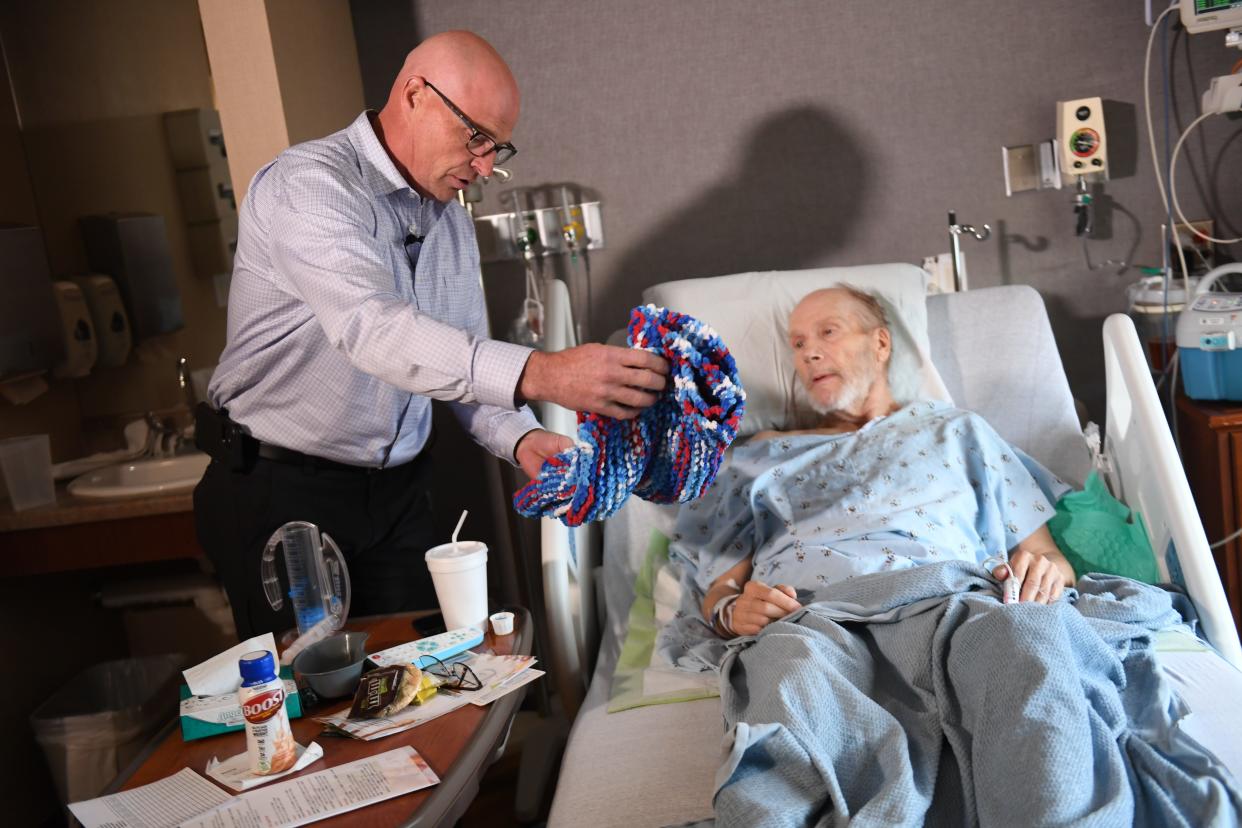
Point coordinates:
pixel 339 336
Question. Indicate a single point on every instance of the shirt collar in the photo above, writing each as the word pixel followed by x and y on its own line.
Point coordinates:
pixel 378 171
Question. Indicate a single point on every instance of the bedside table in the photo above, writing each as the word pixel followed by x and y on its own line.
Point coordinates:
pixel 1211 444
pixel 459 746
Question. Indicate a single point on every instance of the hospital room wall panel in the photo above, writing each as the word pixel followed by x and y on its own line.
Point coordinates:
pixel 726 136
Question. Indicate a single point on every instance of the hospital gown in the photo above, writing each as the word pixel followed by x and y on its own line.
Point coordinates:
pixel 926 483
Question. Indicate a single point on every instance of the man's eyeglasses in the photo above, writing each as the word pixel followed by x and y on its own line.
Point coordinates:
pixel 455 676
pixel 479 143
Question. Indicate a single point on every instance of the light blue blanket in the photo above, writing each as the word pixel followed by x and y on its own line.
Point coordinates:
pixel 915 697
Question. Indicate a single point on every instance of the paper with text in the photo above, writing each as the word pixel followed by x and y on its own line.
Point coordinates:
pixel 489 694
pixel 323 794
pixel 162 804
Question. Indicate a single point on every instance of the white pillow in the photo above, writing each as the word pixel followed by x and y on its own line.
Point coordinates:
pixel 751 311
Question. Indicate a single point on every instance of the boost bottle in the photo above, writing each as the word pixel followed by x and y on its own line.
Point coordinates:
pixel 269 739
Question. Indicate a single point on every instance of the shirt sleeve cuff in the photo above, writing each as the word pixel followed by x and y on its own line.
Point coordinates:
pixel 496 369
pixel 511 430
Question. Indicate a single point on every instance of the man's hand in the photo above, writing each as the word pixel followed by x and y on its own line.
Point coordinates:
pixel 1039 578
pixel 760 605
pixel 604 379
pixel 536 446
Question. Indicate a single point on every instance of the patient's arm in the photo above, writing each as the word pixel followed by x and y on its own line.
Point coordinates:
pixel 756 606
pixel 1039 566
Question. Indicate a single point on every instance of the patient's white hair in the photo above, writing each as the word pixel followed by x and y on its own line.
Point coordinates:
pixel 868 308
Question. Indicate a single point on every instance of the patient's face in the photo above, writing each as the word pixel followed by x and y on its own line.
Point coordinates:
pixel 837 359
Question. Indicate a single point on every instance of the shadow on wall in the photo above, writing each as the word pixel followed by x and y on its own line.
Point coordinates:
pixel 795 197
pixel 390 31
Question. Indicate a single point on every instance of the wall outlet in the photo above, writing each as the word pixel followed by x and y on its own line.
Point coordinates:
pixel 1224 95
pixel 1200 253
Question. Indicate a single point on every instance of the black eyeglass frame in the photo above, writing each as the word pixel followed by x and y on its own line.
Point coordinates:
pixel 504 151
pixel 455 672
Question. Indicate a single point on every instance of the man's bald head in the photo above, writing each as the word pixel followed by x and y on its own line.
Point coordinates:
pixel 465 67
pixel 425 139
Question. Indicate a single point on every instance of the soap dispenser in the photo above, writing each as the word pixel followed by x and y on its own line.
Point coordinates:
pixel 108 314
pixel 77 332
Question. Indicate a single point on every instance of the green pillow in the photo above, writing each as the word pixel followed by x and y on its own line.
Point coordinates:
pixel 1099 533
pixel 640 639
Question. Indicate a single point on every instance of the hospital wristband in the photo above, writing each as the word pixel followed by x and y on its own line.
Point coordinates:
pixel 722 613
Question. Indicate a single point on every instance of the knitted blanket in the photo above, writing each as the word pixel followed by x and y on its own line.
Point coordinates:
pixel 670 453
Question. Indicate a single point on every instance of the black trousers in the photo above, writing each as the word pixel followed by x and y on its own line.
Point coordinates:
pixel 381 520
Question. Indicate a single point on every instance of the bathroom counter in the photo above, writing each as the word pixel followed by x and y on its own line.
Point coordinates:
pixel 68 510
pixel 87 533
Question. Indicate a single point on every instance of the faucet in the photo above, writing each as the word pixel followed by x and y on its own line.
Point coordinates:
pixel 186 384
pixel 165 437
pixel 159 430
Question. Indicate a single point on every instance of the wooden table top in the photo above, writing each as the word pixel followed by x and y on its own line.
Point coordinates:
pixel 1217 413
pixel 442 742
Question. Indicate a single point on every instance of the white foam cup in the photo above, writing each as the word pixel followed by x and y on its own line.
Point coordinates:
pixel 459 572
pixel 502 623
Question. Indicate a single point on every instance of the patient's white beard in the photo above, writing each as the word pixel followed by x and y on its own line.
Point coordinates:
pixel 851 394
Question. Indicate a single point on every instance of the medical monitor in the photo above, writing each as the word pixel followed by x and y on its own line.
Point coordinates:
pixel 1209 15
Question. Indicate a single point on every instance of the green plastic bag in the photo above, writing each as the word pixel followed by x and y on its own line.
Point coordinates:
pixel 1099 533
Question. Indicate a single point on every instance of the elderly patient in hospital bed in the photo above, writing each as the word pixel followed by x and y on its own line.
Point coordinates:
pixel 871 668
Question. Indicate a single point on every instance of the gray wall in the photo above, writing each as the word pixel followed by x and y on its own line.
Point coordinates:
pixel 730 136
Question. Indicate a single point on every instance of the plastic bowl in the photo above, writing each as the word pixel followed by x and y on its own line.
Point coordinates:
pixel 333 666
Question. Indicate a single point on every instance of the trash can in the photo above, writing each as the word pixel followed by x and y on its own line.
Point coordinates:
pixel 95 725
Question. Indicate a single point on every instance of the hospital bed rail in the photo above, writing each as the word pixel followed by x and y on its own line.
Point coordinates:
pixel 569 556
pixel 1143 471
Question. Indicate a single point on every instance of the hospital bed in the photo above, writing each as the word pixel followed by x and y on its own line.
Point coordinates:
pixel 994 350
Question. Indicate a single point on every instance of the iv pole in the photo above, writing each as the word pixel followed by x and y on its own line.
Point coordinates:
pixel 959 262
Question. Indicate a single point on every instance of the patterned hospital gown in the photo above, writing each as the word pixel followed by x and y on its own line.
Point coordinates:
pixel 927 483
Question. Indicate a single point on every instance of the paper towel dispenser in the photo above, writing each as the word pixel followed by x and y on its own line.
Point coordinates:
pixel 133 250
pixel 29 319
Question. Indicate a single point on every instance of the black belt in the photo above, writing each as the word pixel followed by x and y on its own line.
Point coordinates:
pixel 224 440
pixel 278 454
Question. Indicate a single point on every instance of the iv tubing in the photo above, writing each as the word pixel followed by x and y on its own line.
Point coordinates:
pixel 1151 133
pixel 1177 207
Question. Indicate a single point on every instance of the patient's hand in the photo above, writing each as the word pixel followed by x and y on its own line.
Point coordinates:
pixel 1039 578
pixel 760 605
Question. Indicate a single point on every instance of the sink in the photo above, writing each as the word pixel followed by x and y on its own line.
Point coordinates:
pixel 166 475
